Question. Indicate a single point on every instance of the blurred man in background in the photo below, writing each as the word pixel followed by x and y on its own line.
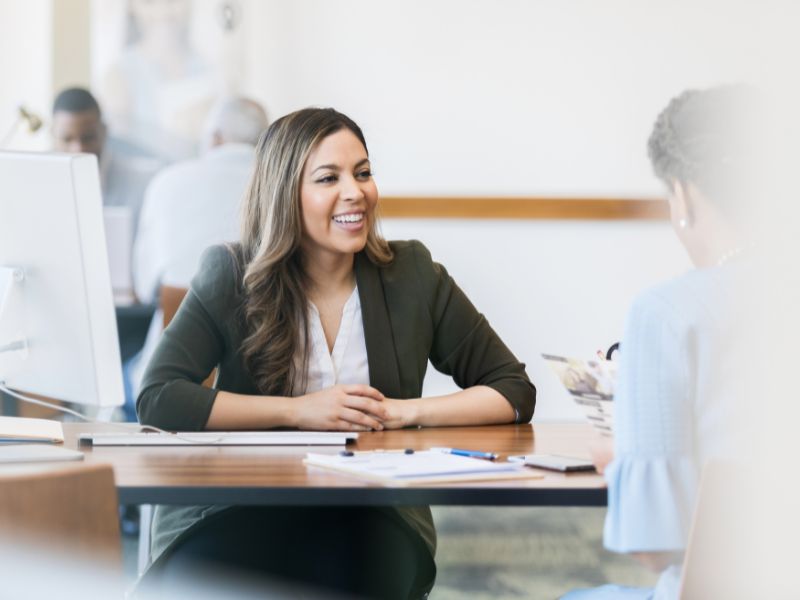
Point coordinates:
pixel 125 169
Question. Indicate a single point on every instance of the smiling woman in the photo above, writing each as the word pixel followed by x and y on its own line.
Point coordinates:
pixel 314 321
pixel 338 196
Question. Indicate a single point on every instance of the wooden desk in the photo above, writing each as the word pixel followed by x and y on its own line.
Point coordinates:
pixel 276 475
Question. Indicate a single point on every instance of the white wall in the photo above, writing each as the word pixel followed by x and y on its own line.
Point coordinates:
pixel 26 44
pixel 554 287
pixel 501 97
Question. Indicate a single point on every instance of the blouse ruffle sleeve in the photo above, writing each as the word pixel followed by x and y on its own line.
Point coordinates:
pixel 650 503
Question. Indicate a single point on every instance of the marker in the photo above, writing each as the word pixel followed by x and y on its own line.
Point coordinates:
pixel 470 453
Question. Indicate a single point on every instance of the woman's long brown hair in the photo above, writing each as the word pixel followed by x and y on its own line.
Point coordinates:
pixel 275 284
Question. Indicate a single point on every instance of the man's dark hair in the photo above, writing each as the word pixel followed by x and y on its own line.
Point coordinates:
pixel 74 100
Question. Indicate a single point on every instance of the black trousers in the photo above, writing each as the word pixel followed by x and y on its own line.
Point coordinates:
pixel 304 552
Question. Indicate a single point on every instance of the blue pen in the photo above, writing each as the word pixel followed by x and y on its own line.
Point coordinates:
pixel 470 453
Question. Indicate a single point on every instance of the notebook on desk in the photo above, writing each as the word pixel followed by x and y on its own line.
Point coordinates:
pixel 417 468
pixel 25 429
pixel 220 438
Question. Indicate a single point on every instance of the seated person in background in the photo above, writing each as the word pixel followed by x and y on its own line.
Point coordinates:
pixel 680 392
pixel 125 169
pixel 315 322
pixel 189 206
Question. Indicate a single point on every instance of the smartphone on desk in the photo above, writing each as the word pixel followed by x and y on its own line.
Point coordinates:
pixel 553 462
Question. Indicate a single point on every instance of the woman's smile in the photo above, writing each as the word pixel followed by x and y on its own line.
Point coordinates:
pixel 351 221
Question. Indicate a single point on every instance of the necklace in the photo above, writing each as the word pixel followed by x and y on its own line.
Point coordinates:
pixel 732 253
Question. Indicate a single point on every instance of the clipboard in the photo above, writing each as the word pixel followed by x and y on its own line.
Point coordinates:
pixel 398 468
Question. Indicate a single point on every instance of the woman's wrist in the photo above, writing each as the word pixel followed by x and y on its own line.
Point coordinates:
pixel 411 412
pixel 275 411
pixel 290 412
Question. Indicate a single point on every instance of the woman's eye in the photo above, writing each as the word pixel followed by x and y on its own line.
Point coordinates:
pixel 327 179
pixel 365 174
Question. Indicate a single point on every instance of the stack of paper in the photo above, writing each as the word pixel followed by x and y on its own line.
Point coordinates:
pixel 399 468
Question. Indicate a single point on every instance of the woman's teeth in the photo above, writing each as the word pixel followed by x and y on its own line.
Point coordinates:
pixel 349 218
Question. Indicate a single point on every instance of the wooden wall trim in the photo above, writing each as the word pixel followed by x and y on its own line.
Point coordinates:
pixel 444 207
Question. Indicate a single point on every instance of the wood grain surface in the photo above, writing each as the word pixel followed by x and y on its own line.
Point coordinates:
pixel 276 475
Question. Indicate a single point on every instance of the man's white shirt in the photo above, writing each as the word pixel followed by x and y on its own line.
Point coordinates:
pixel 188 207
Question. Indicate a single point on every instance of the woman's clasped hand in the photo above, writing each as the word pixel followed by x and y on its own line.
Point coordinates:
pixel 351 408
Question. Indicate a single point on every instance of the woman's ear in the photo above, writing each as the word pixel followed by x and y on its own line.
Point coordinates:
pixel 680 210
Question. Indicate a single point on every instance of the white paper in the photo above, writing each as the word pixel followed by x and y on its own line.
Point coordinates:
pixel 398 467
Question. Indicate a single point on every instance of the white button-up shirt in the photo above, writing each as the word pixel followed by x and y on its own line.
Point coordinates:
pixel 348 361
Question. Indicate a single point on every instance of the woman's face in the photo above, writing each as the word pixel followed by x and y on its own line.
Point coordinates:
pixel 337 196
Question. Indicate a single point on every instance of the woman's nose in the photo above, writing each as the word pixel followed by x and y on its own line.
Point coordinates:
pixel 351 190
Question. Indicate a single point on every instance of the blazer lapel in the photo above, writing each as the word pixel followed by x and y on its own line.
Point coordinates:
pixel 384 372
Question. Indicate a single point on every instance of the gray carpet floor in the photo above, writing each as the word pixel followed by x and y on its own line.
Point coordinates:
pixel 513 552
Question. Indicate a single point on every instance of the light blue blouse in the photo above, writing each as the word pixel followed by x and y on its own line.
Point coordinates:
pixel 674 410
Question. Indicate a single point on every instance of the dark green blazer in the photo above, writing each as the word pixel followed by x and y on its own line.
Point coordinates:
pixel 412 312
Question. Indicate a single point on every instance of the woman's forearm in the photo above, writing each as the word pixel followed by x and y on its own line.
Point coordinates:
pixel 238 411
pixel 479 405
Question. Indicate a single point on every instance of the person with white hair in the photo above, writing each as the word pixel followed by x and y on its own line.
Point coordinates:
pixel 189 206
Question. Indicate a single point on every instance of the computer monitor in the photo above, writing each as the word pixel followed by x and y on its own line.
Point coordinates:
pixel 58 330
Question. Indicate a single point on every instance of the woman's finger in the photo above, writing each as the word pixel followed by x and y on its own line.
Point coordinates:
pixel 363 390
pixel 342 425
pixel 360 418
pixel 367 405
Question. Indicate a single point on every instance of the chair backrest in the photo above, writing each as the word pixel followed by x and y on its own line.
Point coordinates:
pixel 170 301
pixel 71 510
